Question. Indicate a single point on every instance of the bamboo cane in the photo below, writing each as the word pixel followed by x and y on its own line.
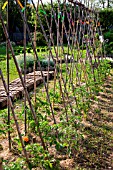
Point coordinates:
pixel 14 117
pixel 35 38
pixel 24 20
pixel 25 112
pixel 52 37
pixel 22 81
pixel 8 69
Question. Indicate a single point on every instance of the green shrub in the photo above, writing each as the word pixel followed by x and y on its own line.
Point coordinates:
pixel 106 18
pixel 44 63
pixel 109 36
pixel 40 39
pixel 109 44
pixel 109 48
pixel 29 60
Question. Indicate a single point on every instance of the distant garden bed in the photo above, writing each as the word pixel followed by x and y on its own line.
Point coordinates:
pixel 45 63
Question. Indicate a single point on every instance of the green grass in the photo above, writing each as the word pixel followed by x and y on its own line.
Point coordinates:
pixel 13 72
pixel 2 52
pixel 19 50
pixel 3 65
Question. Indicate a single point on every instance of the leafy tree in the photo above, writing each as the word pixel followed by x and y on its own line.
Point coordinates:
pixel 14 18
pixel 4 16
pixel 106 20
pixel 102 3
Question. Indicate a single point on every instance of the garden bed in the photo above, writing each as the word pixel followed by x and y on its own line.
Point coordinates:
pixel 95 150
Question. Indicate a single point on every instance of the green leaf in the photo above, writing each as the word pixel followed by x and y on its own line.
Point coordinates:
pixel 50 164
pixel 23 9
pixel 2 132
pixel 42 11
pixel 42 102
pixel 59 16
pixel 63 18
pixel 48 111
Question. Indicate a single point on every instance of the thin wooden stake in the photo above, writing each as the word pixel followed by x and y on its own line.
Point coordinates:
pixel 14 116
pixel 7 52
pixel 24 20
pixel 35 38
pixel 25 112
pixel 22 81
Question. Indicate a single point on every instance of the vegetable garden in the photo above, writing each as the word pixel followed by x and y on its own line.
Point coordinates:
pixel 53 124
